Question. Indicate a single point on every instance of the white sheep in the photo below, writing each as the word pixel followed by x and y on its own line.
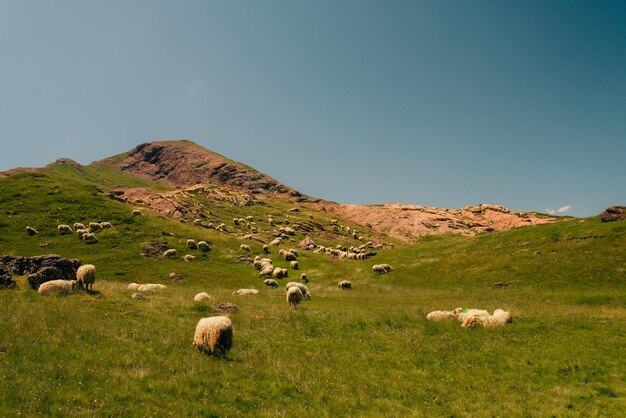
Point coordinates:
pixel 151 287
pixel 191 244
pixel 244 292
pixel 202 296
pixel 64 229
pixel 94 227
pixel 468 317
pixel 86 276
pixel 136 212
pixel 276 242
pixel 203 246
pixel 267 271
pixel 188 257
pixel 133 286
pixel 80 232
pixel 31 231
pixel 278 273
pixel 306 293
pixel 440 315
pixel 171 253
pixel 266 248
pixel 79 225
pixel 498 319
pixel 289 256
pixel 244 247
pixel 214 335
pixel 106 225
pixel 294 265
pixel 57 288
pixel 197 222
pixel 294 297
pixel 90 238
pixel 304 278
pixel 270 283
pixel 345 284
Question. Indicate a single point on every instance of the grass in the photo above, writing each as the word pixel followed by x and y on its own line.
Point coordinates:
pixel 364 352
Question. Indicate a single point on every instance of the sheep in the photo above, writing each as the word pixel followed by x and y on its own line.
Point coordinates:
pixel 203 246
pixel 188 257
pixel 276 242
pixel 57 288
pixel 381 268
pixel 171 253
pixel 289 256
pixel 214 335
pixel 137 212
pixel 304 278
pixel 294 297
pixel 468 317
pixel 236 221
pixel 267 271
pixel 175 277
pixel 345 284
pixel 78 225
pixel 133 286
pixel 278 273
pixel 440 315
pixel 64 229
pixel 31 231
pixel 202 296
pixel 266 248
pixel 294 265
pixel 197 222
pixel 244 247
pixel 105 225
pixel 94 227
pixel 90 238
pixel 86 276
pixel 80 232
pixel 285 272
pixel 150 287
pixel 137 296
pixel 306 293
pixel 270 283
pixel 244 292
pixel 498 319
pixel 191 244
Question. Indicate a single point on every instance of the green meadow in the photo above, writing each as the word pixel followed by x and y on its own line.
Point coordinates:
pixel 368 351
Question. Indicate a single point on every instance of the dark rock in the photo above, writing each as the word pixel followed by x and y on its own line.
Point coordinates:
pixel 154 249
pixel 307 243
pixel 227 307
pixel 41 268
pixel 6 281
pixel 614 213
pixel 499 284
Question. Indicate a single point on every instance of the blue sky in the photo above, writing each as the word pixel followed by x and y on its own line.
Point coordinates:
pixel 439 103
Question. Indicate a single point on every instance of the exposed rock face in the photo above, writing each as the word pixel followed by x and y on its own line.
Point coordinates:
pixel 614 213
pixel 184 164
pixel 6 281
pixel 42 268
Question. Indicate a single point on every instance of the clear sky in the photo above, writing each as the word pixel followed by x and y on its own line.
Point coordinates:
pixel 439 103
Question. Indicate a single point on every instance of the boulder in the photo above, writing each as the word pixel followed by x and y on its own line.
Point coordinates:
pixel 6 281
pixel 614 213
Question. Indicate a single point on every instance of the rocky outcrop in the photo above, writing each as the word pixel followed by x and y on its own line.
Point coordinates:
pixel 6 281
pixel 614 213
pixel 41 268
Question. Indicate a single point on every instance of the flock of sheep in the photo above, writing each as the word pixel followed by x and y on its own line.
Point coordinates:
pixel 471 317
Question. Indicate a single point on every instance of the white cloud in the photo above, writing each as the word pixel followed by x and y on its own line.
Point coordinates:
pixel 195 89
pixel 562 209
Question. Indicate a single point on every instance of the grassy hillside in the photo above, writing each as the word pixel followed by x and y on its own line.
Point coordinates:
pixel 364 352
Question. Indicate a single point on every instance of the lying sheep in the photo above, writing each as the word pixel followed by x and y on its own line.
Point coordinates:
pixel 136 212
pixel 57 288
pixel 191 244
pixel 94 227
pixel 64 229
pixel 214 335
pixel 89 238
pixel 244 292
pixel 133 286
pixel 171 253
pixel 468 317
pixel 203 246
pixel 188 257
pixel 345 284
pixel 440 315
pixel 294 265
pixel 244 247
pixel 86 276
pixel 151 287
pixel 202 296
pixel 270 283
pixel 498 319
pixel 31 231
pixel 294 297
pixel 306 293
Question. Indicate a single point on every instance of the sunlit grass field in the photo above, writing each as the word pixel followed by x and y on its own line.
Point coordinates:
pixel 368 351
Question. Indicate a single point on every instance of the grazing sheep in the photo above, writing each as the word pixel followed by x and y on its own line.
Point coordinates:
pixel 244 292
pixel 276 242
pixel 174 277
pixel 106 225
pixel 94 227
pixel 64 229
pixel 202 296
pixel 289 256
pixel 80 232
pixel 203 246
pixel 57 288
pixel 306 293
pixel 285 272
pixel 171 253
pixel 440 315
pixel 214 335
pixel 345 284
pixel 294 297
pixel 133 286
pixel 381 268
pixel 236 221
pixel 244 247
pixel 188 257
pixel 90 238
pixel 304 278
pixel 136 212
pixel 294 265
pixel 197 222
pixel 191 244
pixel 31 231
pixel 267 271
pixel 270 283
pixel 498 319
pixel 278 273
pixel 266 249
pixel 78 225
pixel 86 276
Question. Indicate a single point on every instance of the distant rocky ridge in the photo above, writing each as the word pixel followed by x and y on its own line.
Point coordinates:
pixel 613 213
